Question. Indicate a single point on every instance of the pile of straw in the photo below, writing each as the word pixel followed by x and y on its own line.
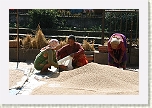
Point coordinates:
pixel 63 43
pixel 88 46
pixel 37 42
pixel 27 41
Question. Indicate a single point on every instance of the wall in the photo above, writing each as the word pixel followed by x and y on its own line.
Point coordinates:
pixel 95 56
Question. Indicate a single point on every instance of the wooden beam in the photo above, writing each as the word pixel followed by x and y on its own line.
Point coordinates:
pixel 17 40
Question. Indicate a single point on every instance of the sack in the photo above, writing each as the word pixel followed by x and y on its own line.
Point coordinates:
pixel 66 61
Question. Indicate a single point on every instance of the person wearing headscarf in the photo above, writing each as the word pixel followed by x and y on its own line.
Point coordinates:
pixel 117 54
pixel 47 57
pixel 75 50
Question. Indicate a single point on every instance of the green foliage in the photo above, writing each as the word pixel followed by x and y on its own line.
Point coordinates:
pixel 119 21
pixel 12 24
pixel 47 18
pixel 62 19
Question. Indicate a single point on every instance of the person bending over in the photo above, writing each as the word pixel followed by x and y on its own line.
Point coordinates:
pixel 117 50
pixel 75 50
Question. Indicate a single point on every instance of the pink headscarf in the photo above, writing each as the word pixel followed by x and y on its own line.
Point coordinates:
pixel 53 43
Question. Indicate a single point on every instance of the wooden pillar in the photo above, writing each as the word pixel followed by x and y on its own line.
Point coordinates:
pixel 103 20
pixel 126 25
pixel 110 26
pixel 137 33
pixel 17 40
pixel 130 45
pixel 115 19
pixel 120 21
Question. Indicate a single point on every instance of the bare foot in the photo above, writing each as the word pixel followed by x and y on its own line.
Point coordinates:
pixel 45 72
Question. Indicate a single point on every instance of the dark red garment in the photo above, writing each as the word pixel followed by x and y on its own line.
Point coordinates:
pixel 120 51
pixel 79 58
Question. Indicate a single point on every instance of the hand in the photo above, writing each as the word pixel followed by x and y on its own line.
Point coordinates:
pixel 115 60
pixel 72 55
pixel 120 60
pixel 63 67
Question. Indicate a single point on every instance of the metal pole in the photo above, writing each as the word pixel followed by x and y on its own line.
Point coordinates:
pixel 17 40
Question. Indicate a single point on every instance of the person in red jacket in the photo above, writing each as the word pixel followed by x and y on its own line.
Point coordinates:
pixel 117 50
pixel 75 50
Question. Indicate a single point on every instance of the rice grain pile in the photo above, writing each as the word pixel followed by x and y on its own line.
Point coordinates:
pixel 15 76
pixel 93 78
